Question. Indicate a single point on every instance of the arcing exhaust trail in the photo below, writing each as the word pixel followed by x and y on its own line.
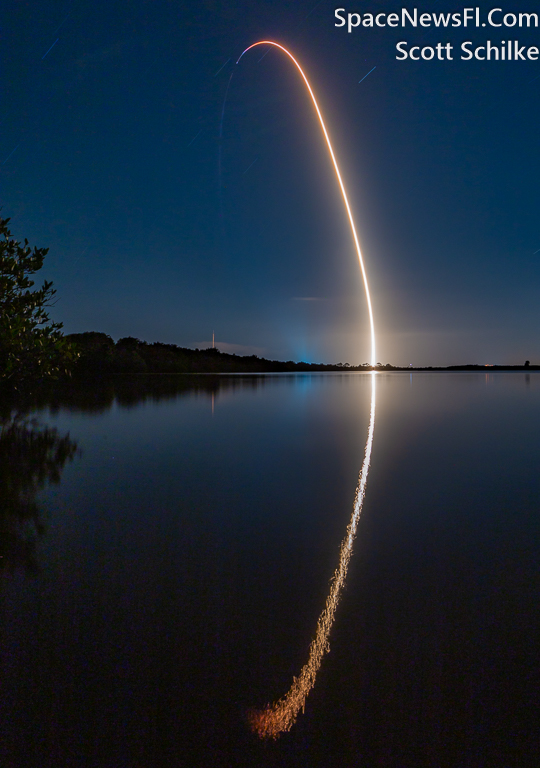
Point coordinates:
pixel 340 180
pixel 279 717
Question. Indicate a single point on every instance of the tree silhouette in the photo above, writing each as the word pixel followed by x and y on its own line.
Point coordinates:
pixel 31 348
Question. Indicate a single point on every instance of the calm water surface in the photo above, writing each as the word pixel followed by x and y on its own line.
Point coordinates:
pixel 172 580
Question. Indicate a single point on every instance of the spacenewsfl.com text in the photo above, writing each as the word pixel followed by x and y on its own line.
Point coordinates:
pixel 503 50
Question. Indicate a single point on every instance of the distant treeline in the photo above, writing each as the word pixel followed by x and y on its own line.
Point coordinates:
pixel 100 355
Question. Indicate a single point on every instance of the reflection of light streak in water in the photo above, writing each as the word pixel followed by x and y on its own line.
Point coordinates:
pixel 270 722
pixel 338 174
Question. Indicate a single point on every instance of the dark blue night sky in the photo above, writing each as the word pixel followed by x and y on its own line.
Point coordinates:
pixel 110 155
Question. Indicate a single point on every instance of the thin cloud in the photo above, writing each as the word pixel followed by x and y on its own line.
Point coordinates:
pixel 233 349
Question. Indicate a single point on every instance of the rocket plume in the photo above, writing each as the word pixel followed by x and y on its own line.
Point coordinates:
pixel 340 181
pixel 281 716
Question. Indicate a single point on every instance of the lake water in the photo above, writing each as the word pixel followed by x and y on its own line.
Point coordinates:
pixel 179 567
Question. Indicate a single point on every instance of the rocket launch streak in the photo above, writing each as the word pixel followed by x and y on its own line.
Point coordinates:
pixel 340 181
pixel 279 717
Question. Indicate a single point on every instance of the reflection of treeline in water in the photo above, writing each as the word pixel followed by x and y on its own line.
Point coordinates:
pixel 99 355
pixel 31 457
pixel 99 394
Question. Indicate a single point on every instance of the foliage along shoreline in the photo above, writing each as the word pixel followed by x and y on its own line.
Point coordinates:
pixel 99 355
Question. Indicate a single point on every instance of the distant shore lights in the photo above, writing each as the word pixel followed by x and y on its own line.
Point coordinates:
pixel 340 181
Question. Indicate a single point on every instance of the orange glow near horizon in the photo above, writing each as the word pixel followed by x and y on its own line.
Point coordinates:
pixel 340 181
pixel 281 716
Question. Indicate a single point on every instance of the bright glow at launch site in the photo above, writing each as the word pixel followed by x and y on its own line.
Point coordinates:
pixel 281 716
pixel 340 180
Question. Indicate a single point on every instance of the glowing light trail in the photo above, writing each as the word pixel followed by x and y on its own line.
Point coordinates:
pixel 50 49
pixel 340 180
pixel 273 720
pixel 270 722
pixel 369 73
